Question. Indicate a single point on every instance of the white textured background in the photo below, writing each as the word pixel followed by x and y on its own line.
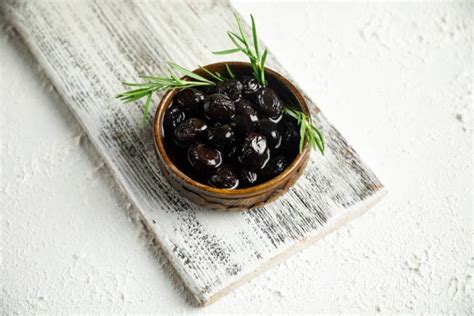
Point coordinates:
pixel 396 79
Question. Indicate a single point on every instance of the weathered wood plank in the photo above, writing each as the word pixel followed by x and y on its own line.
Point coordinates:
pixel 87 48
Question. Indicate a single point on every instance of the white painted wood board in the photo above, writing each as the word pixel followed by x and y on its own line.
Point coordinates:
pixel 87 48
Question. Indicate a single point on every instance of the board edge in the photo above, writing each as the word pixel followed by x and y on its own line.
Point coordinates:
pixel 354 212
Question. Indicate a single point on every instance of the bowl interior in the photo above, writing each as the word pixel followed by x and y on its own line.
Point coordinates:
pixel 285 89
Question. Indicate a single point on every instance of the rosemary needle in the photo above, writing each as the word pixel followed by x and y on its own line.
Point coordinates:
pixel 155 84
pixel 308 132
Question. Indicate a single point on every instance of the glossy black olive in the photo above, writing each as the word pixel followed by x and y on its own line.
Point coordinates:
pixel 231 88
pixel 204 158
pixel 269 103
pixel 221 136
pixel 246 120
pixel 274 167
pixel 250 87
pixel 190 100
pixel 254 153
pixel 225 178
pixel 243 104
pixel 173 117
pixel 248 177
pixel 277 119
pixel 290 134
pixel 189 131
pixel 219 108
pixel 271 132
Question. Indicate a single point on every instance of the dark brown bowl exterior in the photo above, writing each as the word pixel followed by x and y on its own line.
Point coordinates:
pixel 239 199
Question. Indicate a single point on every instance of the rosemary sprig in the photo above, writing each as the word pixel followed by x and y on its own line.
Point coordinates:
pixel 308 132
pixel 243 44
pixel 160 83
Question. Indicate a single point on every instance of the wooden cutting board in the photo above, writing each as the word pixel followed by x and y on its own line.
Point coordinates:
pixel 87 48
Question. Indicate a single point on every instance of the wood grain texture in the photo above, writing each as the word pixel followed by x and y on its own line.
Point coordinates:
pixel 87 48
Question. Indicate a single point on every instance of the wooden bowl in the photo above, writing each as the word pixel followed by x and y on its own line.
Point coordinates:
pixel 238 199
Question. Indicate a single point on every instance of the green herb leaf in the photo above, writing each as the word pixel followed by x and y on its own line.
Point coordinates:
pixel 227 51
pixel 308 132
pixel 241 30
pixel 231 74
pixel 146 109
pixel 302 135
pixel 188 73
pixel 254 34
pixel 232 34
pixel 262 64
pixel 216 76
pixel 131 84
pixel 233 37
pixel 175 77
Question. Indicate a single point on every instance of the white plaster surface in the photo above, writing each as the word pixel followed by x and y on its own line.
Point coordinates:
pixel 395 78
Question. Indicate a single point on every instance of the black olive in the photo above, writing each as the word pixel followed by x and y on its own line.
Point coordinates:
pixel 277 119
pixel 248 177
pixel 173 117
pixel 204 158
pixel 270 130
pixel 269 103
pixel 219 108
pixel 254 153
pixel 221 136
pixel 231 88
pixel 243 104
pixel 225 178
pixel 250 86
pixel 178 156
pixel 246 120
pixel 274 167
pixel 189 100
pixel 208 89
pixel 231 153
pixel 189 131
pixel 290 134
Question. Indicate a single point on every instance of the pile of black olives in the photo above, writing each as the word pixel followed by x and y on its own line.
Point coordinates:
pixel 233 135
